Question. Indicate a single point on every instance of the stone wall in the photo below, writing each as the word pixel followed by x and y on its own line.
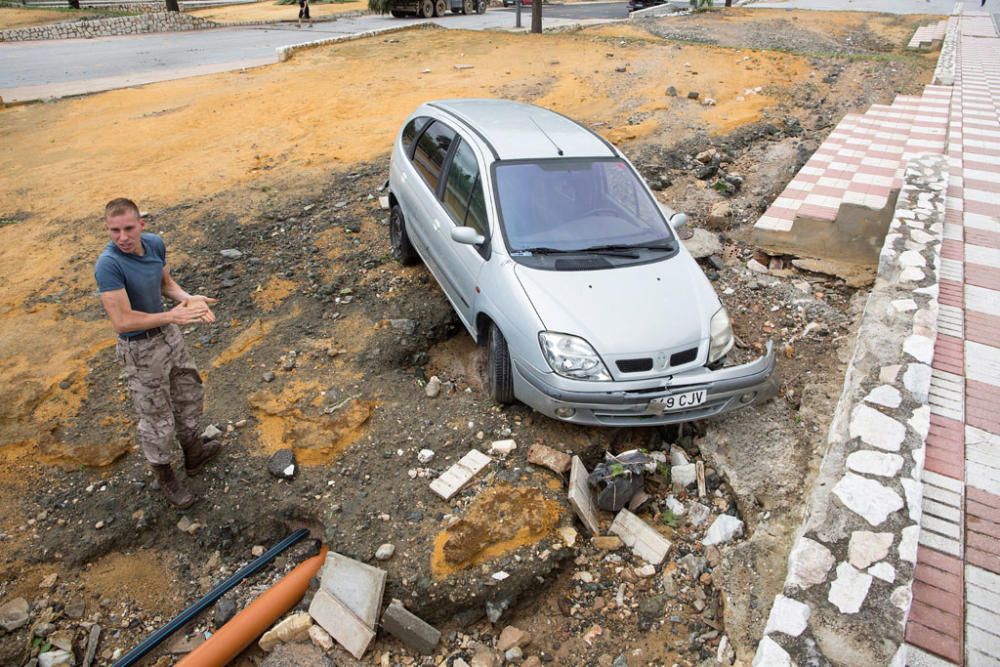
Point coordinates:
pixel 161 21
pixel 847 591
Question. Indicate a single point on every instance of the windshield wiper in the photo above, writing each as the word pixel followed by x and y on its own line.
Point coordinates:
pixel 666 247
pixel 540 251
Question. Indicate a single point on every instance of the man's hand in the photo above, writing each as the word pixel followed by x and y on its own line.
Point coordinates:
pixel 191 311
pixel 205 301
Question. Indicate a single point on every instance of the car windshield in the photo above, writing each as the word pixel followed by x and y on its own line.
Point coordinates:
pixel 571 204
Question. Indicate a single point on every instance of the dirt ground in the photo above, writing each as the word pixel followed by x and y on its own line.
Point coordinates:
pixel 324 343
pixel 14 17
pixel 271 11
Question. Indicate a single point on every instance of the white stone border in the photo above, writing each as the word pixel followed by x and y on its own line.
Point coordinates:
pixel 847 590
pixel 285 52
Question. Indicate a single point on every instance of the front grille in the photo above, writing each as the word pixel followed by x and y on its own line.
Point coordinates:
pixel 685 357
pixel 634 365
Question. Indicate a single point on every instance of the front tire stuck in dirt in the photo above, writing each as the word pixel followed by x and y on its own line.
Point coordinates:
pixel 501 381
pixel 402 249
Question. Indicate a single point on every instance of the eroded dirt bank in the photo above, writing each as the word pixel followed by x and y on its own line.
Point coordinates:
pixel 324 343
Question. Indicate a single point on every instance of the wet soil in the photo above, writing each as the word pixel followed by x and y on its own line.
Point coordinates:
pixel 324 345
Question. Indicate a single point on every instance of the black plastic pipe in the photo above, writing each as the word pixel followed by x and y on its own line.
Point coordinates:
pixel 170 628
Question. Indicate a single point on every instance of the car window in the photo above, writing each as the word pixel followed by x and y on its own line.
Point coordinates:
pixel 411 131
pixel 462 187
pixel 569 204
pixel 432 147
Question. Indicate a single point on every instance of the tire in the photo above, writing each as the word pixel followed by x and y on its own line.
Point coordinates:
pixel 498 372
pixel 440 7
pixel 480 6
pixel 399 240
pixel 468 6
pixel 426 9
pixel 397 14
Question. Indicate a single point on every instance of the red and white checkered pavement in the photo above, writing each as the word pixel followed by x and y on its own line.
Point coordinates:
pixel 955 615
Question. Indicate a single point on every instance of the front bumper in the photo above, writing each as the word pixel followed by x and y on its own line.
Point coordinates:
pixel 727 389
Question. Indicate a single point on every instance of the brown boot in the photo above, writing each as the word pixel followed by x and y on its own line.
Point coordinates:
pixel 198 453
pixel 172 488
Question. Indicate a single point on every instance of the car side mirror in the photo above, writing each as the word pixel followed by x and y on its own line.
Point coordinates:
pixel 678 220
pixel 466 236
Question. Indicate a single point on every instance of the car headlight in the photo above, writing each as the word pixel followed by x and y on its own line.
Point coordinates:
pixel 572 357
pixel 722 335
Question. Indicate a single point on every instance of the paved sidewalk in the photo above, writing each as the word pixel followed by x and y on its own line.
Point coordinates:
pixel 955 615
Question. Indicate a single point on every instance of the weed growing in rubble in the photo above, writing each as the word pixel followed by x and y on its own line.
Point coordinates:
pixel 668 518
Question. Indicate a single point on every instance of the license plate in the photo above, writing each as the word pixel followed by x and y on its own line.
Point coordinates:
pixel 675 402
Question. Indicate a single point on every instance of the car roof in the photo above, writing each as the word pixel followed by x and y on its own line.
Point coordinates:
pixel 518 131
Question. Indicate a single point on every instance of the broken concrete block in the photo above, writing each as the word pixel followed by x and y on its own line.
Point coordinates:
pixel 723 529
pixel 58 658
pixel 502 447
pixel 383 203
pixel 14 614
pixel 678 457
pixel 357 585
pixel 291 629
pixel 682 476
pixel 641 537
pixel 320 637
pixel 458 475
pixel 580 498
pixel 556 461
pixel 343 625
pixel 409 629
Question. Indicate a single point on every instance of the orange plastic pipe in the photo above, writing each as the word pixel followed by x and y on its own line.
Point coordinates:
pixel 246 626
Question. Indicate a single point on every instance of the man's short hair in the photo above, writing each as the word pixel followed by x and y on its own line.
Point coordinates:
pixel 120 206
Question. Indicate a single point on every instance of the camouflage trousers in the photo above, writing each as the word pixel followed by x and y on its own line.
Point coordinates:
pixel 166 391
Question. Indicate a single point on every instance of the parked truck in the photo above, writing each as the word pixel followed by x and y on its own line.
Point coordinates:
pixel 426 8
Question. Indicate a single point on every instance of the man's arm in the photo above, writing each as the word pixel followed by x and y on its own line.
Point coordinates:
pixel 118 307
pixel 170 289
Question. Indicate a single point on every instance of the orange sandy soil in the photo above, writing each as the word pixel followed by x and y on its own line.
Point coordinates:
pixel 13 17
pixel 269 11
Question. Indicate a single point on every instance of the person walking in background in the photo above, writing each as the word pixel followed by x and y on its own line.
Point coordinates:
pixel 304 12
pixel 133 277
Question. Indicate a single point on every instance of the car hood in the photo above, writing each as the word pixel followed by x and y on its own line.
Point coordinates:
pixel 629 310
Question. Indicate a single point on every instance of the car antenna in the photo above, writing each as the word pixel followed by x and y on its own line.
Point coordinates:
pixel 559 151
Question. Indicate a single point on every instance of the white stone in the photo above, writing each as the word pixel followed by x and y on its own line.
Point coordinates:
pixel 675 506
pixel 875 463
pixel 908 543
pixel 503 447
pixel 902 306
pixel 920 348
pixel 725 528
pixel 787 616
pixel 918 461
pixel 770 654
pixel 808 563
pixel 425 455
pixel 698 514
pixel 883 571
pixel 876 429
pixel 849 590
pixel 912 258
pixel 211 431
pixel 57 658
pixel 917 380
pixel 888 374
pixel 914 498
pixel 867 547
pixel 645 571
pixel 901 597
pixel 320 638
pixel 682 476
pixel 921 420
pixel 911 274
pixel 867 498
pixel 885 395
pixel 568 535
pixel 385 551
pixel 920 236
pixel 678 457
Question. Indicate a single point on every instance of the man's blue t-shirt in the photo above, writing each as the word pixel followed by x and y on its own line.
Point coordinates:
pixel 140 277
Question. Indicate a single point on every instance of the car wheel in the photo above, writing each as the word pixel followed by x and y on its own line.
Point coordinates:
pixel 468 6
pixel 440 7
pixel 426 8
pixel 402 249
pixel 498 371
pixel 480 6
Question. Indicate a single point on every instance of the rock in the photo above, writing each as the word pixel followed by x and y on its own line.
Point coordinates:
pixel 607 542
pixel 224 610
pixel 483 656
pixel 211 431
pixel 708 102
pixel 404 325
pixel 321 638
pixel 720 215
pixel 503 447
pixel 671 91
pixel 513 654
pixel 756 266
pixel 49 581
pixel 849 589
pixel 62 639
pixel 433 386
pixel 425 456
pixel 682 476
pixel 556 461
pixel 645 571
pixel 698 514
pixel 693 95
pixel 723 529
pixel 282 464
pixel 808 563
pixel 695 565
pixel 702 243
pixel 532 661
pixel 385 551
pixel 868 498
pixel 568 535
pixel 787 616
pixel 511 637
pixel 713 555
pixel 75 608
pixel 186 525
pixel 14 614
pixel 293 628
pixel 231 253
pixel 866 548
pixel 268 377
pixel 675 506
pixel 56 659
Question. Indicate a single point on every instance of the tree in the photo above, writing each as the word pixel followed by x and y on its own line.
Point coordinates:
pixel 536 16
pixel 172 6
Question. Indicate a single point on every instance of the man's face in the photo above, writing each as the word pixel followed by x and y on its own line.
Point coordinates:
pixel 124 231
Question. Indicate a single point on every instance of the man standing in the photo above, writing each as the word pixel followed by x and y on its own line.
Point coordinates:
pixel 133 278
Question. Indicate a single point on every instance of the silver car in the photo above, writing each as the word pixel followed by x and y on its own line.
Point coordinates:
pixel 555 254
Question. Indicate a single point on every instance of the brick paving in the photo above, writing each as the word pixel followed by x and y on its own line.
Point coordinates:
pixel 955 615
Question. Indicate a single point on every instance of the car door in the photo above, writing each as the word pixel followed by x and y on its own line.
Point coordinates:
pixel 432 149
pixel 463 204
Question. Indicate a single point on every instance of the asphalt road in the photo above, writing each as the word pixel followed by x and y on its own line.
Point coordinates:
pixel 38 70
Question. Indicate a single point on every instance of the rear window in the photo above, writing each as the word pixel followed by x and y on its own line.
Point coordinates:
pixel 411 131
pixel 432 147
